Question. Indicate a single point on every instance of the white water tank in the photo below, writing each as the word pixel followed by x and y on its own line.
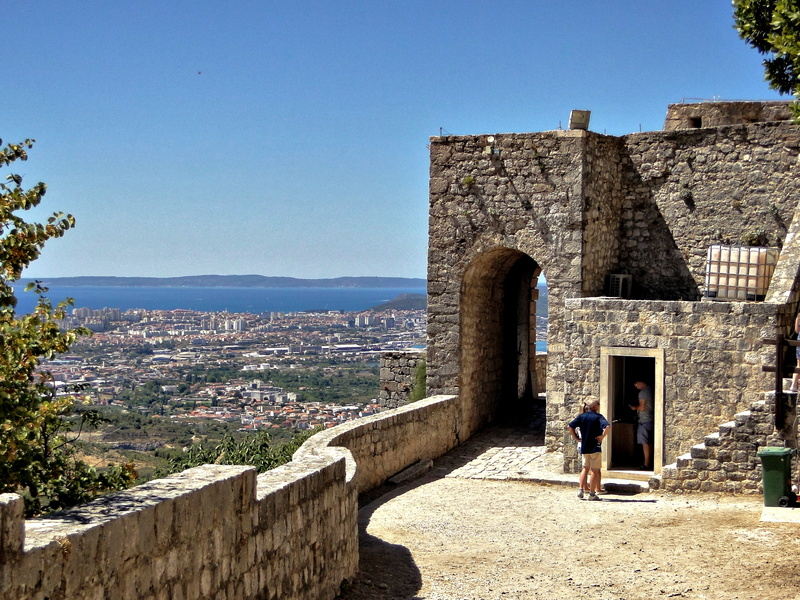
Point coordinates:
pixel 579 119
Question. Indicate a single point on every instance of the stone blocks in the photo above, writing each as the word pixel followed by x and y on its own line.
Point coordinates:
pixel 397 373
pixel 219 531
pixel 728 460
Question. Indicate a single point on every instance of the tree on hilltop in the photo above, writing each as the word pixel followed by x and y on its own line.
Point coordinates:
pixel 773 28
pixel 37 446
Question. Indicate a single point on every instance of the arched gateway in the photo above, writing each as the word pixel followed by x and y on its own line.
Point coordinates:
pixel 498 335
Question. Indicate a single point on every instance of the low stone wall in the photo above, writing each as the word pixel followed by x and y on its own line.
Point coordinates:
pixel 209 532
pixel 221 531
pixel 384 444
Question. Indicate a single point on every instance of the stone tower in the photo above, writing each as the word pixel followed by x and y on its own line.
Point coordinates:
pixel 584 209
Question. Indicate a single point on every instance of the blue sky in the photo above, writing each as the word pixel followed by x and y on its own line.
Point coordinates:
pixel 289 138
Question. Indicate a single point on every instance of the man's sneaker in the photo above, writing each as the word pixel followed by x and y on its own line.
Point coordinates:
pixel 580 493
pixel 593 496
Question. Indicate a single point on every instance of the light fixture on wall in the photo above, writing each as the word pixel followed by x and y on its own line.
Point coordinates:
pixel 490 150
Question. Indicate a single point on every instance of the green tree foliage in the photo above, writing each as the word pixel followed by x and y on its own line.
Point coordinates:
pixel 256 449
pixel 37 447
pixel 773 28
pixel 418 389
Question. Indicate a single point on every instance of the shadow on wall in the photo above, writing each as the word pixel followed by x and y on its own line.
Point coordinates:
pixel 658 267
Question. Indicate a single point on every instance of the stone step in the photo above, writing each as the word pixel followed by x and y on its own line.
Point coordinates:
pixel 757 420
pixel 625 486
pixel 669 471
pixel 701 451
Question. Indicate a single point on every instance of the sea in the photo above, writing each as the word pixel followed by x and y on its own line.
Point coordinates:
pixel 217 299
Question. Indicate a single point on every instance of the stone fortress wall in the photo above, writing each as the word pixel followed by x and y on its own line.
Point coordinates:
pixel 397 373
pixel 222 532
pixel 584 206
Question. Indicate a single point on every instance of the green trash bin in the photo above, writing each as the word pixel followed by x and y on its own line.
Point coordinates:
pixel 776 476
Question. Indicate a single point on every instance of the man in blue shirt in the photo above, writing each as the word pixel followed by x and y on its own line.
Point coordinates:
pixel 594 428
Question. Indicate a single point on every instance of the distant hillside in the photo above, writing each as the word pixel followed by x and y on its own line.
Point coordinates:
pixel 235 281
pixel 404 302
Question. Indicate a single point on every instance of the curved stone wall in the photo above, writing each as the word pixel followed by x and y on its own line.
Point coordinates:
pixel 382 445
pixel 221 531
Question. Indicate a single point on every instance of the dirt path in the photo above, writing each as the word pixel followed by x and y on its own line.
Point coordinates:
pixel 466 539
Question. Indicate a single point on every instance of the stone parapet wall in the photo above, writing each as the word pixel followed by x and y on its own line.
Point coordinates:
pixel 382 445
pixel 713 114
pixel 221 531
pixel 209 532
pixel 397 374
pixel 713 356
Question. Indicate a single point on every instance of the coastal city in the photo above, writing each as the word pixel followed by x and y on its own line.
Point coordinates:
pixel 157 383
pixel 288 371
pixel 259 371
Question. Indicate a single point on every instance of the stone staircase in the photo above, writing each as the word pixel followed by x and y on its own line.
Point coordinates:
pixel 727 460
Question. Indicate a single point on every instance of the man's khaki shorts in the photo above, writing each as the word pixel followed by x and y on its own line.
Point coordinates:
pixel 593 460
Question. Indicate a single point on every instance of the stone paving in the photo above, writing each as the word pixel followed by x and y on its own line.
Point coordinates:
pixel 515 452
pixel 511 450
pixel 502 453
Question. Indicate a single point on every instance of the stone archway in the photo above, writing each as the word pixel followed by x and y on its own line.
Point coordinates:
pixel 498 337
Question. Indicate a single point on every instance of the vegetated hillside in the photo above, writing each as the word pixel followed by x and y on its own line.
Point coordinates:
pixel 149 427
pixel 235 281
pixel 404 302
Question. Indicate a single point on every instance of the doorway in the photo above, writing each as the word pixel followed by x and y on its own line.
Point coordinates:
pixel 620 369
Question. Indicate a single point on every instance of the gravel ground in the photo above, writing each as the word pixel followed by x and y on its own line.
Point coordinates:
pixel 465 539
